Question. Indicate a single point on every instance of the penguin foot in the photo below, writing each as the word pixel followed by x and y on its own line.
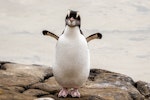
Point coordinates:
pixel 75 93
pixel 63 92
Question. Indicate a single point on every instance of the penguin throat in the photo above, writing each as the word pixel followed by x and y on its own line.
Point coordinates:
pixel 72 31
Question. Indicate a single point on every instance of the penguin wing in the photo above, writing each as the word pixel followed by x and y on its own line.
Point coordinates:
pixel 45 32
pixel 94 36
pixel 88 39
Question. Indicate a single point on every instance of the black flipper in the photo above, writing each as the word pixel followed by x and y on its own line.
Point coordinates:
pixel 94 36
pixel 45 32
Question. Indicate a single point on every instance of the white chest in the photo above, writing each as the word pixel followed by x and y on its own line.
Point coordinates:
pixel 72 48
pixel 72 57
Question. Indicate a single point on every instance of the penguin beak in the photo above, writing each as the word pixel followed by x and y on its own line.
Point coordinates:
pixel 72 19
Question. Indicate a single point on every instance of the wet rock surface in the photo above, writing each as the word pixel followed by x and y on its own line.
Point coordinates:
pixel 36 82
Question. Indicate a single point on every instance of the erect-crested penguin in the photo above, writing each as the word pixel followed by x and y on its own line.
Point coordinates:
pixel 72 62
pixel 72 59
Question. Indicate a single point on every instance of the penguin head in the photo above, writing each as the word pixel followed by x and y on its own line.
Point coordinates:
pixel 73 18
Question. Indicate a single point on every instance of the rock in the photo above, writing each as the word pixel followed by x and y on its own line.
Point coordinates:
pixel 144 88
pixel 23 75
pixel 35 92
pixel 112 85
pixel 44 98
pixel 11 95
pixel 36 82
pixel 17 78
pixel 45 87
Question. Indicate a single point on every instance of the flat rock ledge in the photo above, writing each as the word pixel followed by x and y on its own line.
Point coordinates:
pixel 36 82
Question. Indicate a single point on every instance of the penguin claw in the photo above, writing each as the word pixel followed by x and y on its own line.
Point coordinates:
pixel 63 93
pixel 75 93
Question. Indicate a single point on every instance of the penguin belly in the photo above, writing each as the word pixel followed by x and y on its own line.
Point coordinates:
pixel 72 62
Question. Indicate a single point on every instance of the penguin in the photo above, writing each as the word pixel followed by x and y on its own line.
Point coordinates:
pixel 72 59
pixel 88 39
